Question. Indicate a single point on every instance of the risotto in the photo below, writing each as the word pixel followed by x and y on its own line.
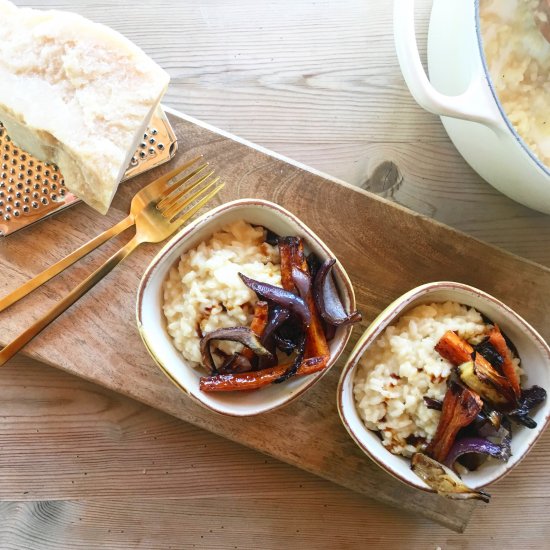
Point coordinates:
pixel 204 292
pixel 401 367
pixel 518 57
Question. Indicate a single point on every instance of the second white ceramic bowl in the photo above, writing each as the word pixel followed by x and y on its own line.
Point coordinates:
pixel 535 360
pixel 152 324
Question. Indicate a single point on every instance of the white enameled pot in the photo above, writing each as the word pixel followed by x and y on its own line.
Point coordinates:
pixel 461 92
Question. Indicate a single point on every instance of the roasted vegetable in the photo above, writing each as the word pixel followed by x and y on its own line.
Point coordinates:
pixel 236 363
pixel 284 298
pixel 460 406
pixel 453 348
pixel 443 480
pixel 488 351
pixel 328 299
pixel 302 282
pixel 291 371
pixel 466 445
pixel 475 371
pixel 316 342
pixel 488 420
pixel 242 335
pixel 313 264
pixel 276 317
pixel 480 376
pixel 496 339
pixel 433 404
pixel 530 398
pixel 289 250
pixel 271 237
pixel 260 378
pixel 257 326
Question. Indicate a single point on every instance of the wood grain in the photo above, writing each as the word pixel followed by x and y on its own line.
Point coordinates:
pixel 319 81
pixel 385 249
pixel 83 467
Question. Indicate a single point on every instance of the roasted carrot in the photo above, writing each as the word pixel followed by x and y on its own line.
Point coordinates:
pixel 287 253
pixel 258 379
pixel 454 348
pixel 258 324
pixel 460 406
pixel 478 373
pixel 496 339
pixel 291 251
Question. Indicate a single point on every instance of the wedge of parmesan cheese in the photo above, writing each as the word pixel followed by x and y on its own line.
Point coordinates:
pixel 76 94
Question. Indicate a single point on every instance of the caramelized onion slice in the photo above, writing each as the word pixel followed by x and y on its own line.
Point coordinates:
pixel 443 480
pixel 501 451
pixel 284 298
pixel 530 398
pixel 236 363
pixel 328 300
pixel 291 371
pixel 242 335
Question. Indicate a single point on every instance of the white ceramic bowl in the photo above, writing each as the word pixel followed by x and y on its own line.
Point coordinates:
pixel 461 92
pixel 535 359
pixel 152 324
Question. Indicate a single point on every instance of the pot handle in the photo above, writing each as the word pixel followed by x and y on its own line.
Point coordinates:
pixel 466 106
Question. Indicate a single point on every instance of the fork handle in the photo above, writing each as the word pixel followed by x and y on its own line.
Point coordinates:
pixel 58 267
pixel 26 336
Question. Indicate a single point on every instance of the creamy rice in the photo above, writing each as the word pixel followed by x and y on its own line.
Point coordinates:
pixel 401 367
pixel 518 57
pixel 203 292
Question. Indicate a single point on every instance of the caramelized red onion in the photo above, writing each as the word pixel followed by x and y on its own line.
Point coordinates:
pixel 284 298
pixel 302 281
pixel 242 335
pixel 291 371
pixel 529 399
pixel 432 403
pixel 328 300
pixel 480 445
pixel 235 363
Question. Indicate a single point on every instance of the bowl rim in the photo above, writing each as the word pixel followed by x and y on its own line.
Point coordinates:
pixel 185 233
pixel 385 318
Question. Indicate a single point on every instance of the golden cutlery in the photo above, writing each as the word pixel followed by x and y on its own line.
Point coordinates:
pixel 139 202
pixel 158 213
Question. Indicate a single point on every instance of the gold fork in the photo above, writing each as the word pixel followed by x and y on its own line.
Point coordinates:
pixel 139 201
pixel 158 213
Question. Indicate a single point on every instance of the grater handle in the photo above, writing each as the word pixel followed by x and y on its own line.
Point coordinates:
pixel 61 265
pixel 27 335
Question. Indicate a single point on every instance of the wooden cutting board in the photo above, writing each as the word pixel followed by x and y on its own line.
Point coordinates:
pixel 386 250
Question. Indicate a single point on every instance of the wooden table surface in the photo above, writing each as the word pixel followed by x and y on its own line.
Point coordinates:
pixel 317 81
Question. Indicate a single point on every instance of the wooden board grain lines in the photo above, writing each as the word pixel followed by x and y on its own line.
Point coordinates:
pixel 84 467
pixel 386 250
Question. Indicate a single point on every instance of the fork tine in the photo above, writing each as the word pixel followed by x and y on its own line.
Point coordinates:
pixel 178 204
pixel 177 189
pixel 163 180
pixel 178 221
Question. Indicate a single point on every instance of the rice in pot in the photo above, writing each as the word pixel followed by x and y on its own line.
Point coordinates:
pixel 518 57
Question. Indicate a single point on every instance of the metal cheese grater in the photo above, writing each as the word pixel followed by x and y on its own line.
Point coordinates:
pixel 31 190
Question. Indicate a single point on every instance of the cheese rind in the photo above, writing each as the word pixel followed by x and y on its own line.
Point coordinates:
pixel 76 94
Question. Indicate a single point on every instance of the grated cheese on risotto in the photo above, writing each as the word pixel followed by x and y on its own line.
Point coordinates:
pixel 203 292
pixel 518 57
pixel 401 367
